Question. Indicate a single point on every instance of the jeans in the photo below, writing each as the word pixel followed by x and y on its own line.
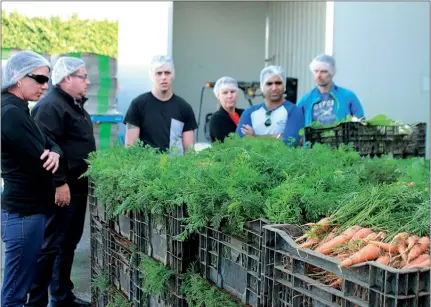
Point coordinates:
pixel 23 238
pixel 62 234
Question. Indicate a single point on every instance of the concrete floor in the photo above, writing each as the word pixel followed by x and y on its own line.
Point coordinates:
pixel 81 266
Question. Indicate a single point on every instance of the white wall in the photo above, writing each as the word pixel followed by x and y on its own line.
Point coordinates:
pixel 382 53
pixel 214 39
pixel 296 36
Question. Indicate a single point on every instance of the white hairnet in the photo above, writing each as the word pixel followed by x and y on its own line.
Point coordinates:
pixel 225 83
pixel 64 67
pixel 269 72
pixel 19 65
pixel 159 61
pixel 324 61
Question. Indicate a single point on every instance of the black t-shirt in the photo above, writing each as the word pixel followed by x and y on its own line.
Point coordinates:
pixel 161 123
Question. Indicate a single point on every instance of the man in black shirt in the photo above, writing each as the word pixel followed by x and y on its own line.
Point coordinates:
pixel 160 118
pixel 62 117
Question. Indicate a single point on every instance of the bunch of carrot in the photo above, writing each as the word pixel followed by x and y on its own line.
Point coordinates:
pixel 359 244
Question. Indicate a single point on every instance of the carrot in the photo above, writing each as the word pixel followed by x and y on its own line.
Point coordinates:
pixel 316 229
pixel 387 247
pixel 337 241
pixel 361 234
pixel 369 252
pixel 329 237
pixel 402 250
pixel 402 236
pixel 419 259
pixel 309 243
pixel 425 263
pixel 416 251
pixel 384 259
pixel 411 241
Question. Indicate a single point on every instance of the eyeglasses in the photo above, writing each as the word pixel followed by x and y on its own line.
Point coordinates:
pixel 41 79
pixel 268 118
pixel 83 77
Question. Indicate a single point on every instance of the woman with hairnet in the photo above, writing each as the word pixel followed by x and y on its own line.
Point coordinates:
pixel 28 160
pixel 328 103
pixel 225 120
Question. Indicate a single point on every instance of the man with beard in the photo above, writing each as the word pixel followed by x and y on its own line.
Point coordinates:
pixel 160 118
pixel 276 116
pixel 61 115
pixel 328 103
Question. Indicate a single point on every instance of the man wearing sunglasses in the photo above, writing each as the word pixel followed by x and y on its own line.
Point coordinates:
pixel 276 116
pixel 328 103
pixel 61 115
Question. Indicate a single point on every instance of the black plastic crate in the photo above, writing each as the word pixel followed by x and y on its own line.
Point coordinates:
pixel 232 263
pixel 287 281
pixel 122 260
pixel 372 140
pixel 98 298
pixel 170 297
pixel 157 237
pixel 99 236
pixel 97 210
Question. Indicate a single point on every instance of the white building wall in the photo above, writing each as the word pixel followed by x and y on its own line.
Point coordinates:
pixel 382 52
pixel 296 36
pixel 215 39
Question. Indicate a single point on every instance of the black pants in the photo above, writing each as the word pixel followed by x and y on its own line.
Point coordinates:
pixel 62 234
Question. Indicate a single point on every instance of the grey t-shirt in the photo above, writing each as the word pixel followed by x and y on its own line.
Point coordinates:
pixel 324 110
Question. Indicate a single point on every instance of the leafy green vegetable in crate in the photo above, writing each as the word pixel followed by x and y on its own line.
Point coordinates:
pixel 154 275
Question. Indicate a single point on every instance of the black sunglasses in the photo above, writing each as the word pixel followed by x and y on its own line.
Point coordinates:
pixel 268 118
pixel 41 79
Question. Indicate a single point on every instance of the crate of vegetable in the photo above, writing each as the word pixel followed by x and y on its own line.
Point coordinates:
pixel 374 137
pixel 99 235
pixel 234 263
pixel 339 266
pixel 96 210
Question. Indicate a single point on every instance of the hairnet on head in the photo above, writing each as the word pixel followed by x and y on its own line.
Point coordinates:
pixel 65 66
pixel 269 72
pixel 19 65
pixel 225 83
pixel 323 61
pixel 159 61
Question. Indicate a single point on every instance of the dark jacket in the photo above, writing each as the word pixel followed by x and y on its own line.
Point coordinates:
pixel 28 186
pixel 221 125
pixel 68 124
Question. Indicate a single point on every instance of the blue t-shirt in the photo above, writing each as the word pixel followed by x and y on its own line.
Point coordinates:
pixel 286 119
pixel 324 110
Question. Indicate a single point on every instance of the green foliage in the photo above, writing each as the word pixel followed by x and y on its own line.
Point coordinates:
pixel 101 282
pixel 247 179
pixel 117 300
pixel 154 276
pixel 54 35
pixel 199 293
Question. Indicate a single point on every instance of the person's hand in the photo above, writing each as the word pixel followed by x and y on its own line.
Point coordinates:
pixel 51 161
pixel 247 129
pixel 62 195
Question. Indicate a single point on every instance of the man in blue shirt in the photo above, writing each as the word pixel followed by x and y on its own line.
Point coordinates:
pixel 276 116
pixel 328 103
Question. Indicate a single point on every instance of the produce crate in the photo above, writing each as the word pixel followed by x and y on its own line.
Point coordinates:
pixel 232 263
pixel 156 236
pixel 98 298
pixel 373 140
pixel 287 282
pixel 122 260
pixel 170 297
pixel 97 210
pixel 99 236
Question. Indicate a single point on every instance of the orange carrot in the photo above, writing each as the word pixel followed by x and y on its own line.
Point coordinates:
pixel 419 259
pixel 390 248
pixel 424 241
pixel 330 236
pixel 384 259
pixel 316 229
pixel 402 250
pixel 369 252
pixel 411 241
pixel 309 243
pixel 416 251
pixel 402 236
pixel 337 241
pixel 361 234
pixel 425 263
